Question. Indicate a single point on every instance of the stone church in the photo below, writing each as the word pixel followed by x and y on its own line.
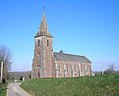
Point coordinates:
pixel 49 64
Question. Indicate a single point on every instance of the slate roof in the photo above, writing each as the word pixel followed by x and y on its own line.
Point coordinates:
pixel 70 57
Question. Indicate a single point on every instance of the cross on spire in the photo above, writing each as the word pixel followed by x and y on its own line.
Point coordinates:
pixel 44 26
pixel 43 10
pixel 43 29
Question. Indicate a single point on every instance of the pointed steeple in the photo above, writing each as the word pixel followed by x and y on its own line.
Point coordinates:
pixel 43 26
pixel 43 29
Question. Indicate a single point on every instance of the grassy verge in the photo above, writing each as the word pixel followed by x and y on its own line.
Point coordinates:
pixel 105 85
pixel 3 89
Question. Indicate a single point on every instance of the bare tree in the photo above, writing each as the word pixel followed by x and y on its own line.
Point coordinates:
pixel 6 58
pixel 110 69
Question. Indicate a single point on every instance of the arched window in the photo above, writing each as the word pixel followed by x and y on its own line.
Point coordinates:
pixel 47 43
pixel 74 68
pixel 67 69
pixel 38 42
pixel 59 69
pixel 79 67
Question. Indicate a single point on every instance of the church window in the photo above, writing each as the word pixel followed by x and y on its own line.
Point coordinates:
pixel 72 71
pixel 47 42
pixel 79 69
pixel 38 42
pixel 64 70
pixel 59 69
pixel 67 69
pixel 86 70
pixel 75 68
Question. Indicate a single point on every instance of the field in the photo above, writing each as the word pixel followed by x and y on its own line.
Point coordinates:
pixel 3 89
pixel 104 85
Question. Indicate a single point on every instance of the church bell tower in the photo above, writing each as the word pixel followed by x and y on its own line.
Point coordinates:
pixel 42 66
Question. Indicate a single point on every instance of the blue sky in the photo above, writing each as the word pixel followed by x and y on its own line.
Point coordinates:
pixel 82 27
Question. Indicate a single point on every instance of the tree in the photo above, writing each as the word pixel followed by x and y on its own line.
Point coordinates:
pixel 21 78
pixel 30 76
pixel 6 58
pixel 110 69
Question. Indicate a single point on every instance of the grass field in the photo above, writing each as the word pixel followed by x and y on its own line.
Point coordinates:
pixel 3 89
pixel 104 85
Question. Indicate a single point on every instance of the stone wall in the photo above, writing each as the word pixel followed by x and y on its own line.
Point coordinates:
pixel 72 69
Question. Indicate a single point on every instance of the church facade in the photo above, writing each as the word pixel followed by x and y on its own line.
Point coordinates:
pixel 49 64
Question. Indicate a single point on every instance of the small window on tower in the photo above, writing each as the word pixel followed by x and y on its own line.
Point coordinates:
pixel 47 42
pixel 38 42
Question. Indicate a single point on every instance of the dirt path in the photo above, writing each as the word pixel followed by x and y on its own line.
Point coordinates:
pixel 14 89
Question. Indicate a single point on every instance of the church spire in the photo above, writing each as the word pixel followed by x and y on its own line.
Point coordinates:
pixel 43 29
pixel 43 11
pixel 44 26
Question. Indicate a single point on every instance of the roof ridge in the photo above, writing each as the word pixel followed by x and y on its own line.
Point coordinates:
pixel 69 54
pixel 71 57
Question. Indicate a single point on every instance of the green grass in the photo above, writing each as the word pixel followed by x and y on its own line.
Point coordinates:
pixel 104 85
pixel 3 89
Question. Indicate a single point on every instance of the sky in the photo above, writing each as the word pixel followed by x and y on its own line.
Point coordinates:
pixel 81 27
